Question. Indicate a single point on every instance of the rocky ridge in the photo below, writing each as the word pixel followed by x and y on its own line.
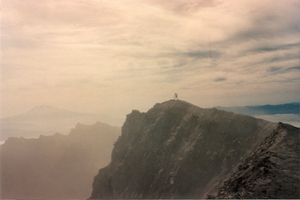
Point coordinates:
pixel 271 172
pixel 57 166
pixel 177 150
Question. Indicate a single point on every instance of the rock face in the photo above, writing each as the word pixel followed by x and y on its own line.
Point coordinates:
pixel 57 166
pixel 271 172
pixel 177 150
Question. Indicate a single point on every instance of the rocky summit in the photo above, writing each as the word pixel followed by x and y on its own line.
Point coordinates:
pixel 178 150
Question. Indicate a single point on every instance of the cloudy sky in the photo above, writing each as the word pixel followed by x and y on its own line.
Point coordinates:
pixel 112 56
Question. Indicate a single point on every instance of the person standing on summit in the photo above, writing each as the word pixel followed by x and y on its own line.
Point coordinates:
pixel 175 96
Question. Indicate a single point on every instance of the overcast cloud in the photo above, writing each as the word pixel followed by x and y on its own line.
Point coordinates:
pixel 112 56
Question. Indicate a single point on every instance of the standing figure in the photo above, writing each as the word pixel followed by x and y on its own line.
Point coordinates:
pixel 175 96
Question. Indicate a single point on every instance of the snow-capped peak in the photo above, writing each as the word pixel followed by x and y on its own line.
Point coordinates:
pixel 43 109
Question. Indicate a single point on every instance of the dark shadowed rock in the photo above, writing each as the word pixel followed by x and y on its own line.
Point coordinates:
pixel 177 150
pixel 271 172
pixel 57 166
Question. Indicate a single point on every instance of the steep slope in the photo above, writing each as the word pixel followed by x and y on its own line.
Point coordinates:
pixel 271 172
pixel 57 166
pixel 177 150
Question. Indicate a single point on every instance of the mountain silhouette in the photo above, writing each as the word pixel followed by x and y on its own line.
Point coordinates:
pixel 43 120
pixel 178 150
pixel 288 108
pixel 288 113
pixel 45 110
pixel 57 166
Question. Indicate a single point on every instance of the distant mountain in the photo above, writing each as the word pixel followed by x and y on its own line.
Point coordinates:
pixel 289 108
pixel 57 166
pixel 47 111
pixel 271 172
pixel 287 113
pixel 44 120
pixel 177 150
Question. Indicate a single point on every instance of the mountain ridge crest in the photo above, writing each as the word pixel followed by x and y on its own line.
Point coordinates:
pixel 176 142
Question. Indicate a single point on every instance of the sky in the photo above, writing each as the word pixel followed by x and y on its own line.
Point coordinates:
pixel 113 56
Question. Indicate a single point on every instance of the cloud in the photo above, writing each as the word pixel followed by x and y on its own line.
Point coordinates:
pixel 272 48
pixel 184 7
pixel 220 79
pixel 294 68
pixel 282 70
pixel 101 49
pixel 285 57
pixel 200 54
pixel 274 69
pixel 272 21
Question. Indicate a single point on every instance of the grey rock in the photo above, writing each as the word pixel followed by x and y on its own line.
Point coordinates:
pixel 177 150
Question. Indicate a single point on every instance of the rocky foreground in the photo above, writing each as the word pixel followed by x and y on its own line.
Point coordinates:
pixel 178 150
pixel 271 172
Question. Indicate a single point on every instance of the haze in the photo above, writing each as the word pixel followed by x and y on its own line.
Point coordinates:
pixel 102 56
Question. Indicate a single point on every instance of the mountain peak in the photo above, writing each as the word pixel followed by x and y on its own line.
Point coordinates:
pixel 173 103
pixel 47 111
pixel 173 143
pixel 43 109
pixel 177 106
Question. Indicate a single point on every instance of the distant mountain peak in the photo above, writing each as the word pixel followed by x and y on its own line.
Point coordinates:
pixel 45 110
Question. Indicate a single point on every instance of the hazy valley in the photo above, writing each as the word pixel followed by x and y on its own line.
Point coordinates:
pixel 287 113
pixel 57 166
pixel 45 120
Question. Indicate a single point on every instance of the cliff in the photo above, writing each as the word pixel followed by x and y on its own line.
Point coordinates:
pixel 177 150
pixel 271 171
pixel 57 166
